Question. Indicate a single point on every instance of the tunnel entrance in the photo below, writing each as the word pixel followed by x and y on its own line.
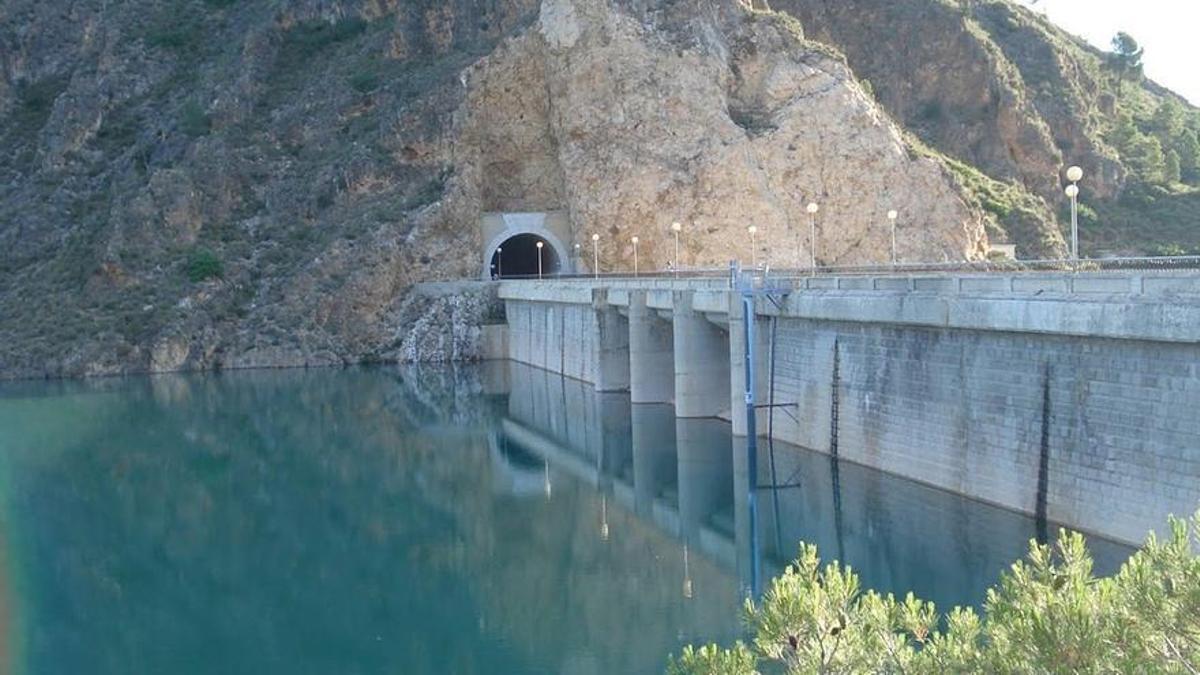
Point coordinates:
pixel 517 257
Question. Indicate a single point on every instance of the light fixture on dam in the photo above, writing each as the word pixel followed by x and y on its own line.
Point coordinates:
pixel 635 257
pixel 892 216
pixel 596 255
pixel 812 209
pixel 1074 174
pixel 675 229
pixel 540 245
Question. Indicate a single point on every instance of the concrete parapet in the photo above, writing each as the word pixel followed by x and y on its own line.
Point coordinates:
pixel 660 299
pixel 1157 319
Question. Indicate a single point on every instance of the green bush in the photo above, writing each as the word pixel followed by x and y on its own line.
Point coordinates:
pixel 203 264
pixel 177 28
pixel 1048 614
pixel 194 121
pixel 308 38
pixel 364 82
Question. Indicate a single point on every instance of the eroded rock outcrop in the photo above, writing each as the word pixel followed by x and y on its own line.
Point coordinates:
pixel 718 120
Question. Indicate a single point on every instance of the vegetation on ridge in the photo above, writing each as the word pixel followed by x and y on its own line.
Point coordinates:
pixel 1146 130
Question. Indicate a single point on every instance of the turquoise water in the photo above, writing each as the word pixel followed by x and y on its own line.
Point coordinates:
pixel 484 519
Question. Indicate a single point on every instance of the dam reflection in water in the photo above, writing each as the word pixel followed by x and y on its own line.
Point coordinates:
pixel 686 477
pixel 485 519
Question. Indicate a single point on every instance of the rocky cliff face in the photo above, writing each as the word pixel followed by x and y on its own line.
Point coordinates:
pixel 719 118
pixel 214 183
pixel 928 62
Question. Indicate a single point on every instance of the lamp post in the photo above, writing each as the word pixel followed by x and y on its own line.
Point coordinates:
pixel 500 261
pixel 892 216
pixel 687 574
pixel 596 255
pixel 812 209
pixel 675 228
pixel 635 260
pixel 1074 174
pixel 753 230
pixel 540 245
pixel 604 517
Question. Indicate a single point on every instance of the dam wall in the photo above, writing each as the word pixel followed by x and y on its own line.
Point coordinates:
pixel 1066 397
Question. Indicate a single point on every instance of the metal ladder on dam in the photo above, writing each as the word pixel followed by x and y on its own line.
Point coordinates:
pixel 750 291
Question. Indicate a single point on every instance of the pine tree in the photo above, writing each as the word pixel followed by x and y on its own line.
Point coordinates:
pixel 1125 59
pixel 1188 147
pixel 1124 133
pixel 1148 159
pixel 1171 170
pixel 1048 614
pixel 1168 122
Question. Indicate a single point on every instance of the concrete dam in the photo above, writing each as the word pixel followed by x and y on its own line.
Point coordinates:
pixel 1071 397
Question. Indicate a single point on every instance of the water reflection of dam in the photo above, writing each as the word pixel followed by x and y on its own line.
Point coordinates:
pixel 680 476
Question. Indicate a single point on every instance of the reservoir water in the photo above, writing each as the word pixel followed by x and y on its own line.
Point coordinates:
pixel 472 519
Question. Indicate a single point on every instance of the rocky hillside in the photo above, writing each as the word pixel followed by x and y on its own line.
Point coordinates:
pixel 224 183
pixel 1006 92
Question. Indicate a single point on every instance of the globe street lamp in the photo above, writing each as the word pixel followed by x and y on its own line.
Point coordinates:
pixel 892 216
pixel 539 248
pixel 753 230
pixel 635 260
pixel 596 255
pixel 812 209
pixel 500 261
pixel 675 228
pixel 1074 174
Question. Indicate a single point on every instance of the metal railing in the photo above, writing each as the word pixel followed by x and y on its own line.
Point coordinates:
pixel 1083 266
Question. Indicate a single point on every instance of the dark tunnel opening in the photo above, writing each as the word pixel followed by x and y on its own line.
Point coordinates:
pixel 518 257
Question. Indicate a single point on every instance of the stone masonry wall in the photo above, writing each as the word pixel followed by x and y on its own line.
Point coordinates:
pixel 1106 429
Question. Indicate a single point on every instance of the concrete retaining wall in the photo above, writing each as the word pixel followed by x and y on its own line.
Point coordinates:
pixel 556 336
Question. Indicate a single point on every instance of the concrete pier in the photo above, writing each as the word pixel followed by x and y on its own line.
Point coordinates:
pixel 612 346
pixel 702 361
pixel 651 353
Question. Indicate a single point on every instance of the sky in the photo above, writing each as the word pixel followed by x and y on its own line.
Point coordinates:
pixel 1166 28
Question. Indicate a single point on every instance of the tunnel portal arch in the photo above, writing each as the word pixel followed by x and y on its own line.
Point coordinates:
pixel 519 239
